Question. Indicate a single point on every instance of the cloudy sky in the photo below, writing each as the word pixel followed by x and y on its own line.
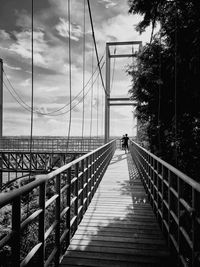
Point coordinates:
pixel 51 65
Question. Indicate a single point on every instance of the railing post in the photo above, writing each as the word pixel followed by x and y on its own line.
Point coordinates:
pixel 76 195
pixel 82 187
pixel 16 222
pixel 90 179
pixel 195 227
pixel 162 179
pixel 42 193
pixel 68 215
pixel 57 231
pixel 169 209
pixel 178 215
pixel 86 180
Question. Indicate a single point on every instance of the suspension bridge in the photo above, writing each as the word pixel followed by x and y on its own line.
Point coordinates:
pixel 84 201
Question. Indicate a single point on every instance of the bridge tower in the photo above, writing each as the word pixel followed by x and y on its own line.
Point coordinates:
pixel 115 101
pixel 1 97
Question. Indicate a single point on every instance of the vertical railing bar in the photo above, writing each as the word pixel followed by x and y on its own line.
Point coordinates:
pixel 178 215
pixel 68 215
pixel 82 187
pixel 76 195
pixel 169 207
pixel 16 222
pixel 90 177
pixel 41 237
pixel 87 176
pixel 57 230
pixel 162 193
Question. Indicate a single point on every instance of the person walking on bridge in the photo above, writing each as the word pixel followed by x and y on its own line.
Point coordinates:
pixel 125 142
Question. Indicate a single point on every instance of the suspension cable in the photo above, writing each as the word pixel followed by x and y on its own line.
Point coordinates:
pixel 91 103
pixel 97 105
pixel 79 101
pixel 70 73
pixel 28 108
pixel 159 94
pixel 32 82
pixel 84 22
pixel 102 116
pixel 175 85
pixel 113 72
pixel 95 45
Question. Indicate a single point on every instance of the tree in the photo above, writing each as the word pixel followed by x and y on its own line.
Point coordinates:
pixel 166 83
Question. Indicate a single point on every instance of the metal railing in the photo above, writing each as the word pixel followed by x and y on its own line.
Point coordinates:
pixel 175 199
pixel 60 199
pixel 50 144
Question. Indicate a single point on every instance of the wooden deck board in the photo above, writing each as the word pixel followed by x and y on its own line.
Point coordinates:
pixel 119 227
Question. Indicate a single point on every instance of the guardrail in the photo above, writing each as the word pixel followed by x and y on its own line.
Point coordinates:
pixel 59 200
pixel 50 144
pixel 175 199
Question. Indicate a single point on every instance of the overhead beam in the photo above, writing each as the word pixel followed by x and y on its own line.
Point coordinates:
pixel 125 43
pixel 122 104
pixel 123 55
pixel 119 99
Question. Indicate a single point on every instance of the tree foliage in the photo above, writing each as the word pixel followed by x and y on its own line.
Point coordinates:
pixel 166 81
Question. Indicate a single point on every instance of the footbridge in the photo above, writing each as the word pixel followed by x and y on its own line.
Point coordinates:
pixel 113 209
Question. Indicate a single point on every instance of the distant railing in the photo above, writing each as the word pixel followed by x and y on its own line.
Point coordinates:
pixel 59 200
pixel 175 199
pixel 50 144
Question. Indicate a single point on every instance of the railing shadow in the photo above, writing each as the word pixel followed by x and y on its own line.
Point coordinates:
pixel 118 158
pixel 113 238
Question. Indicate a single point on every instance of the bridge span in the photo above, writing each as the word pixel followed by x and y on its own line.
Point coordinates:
pixel 119 227
pixel 106 208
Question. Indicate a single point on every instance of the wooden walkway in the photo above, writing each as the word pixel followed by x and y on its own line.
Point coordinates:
pixel 119 227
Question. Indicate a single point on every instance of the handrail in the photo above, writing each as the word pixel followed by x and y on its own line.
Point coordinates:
pixel 8 197
pixel 183 176
pixel 50 144
pixel 175 199
pixel 88 171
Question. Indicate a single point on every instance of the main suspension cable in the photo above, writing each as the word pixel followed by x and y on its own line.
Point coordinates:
pixel 84 22
pixel 70 73
pixel 95 45
pixel 32 82
pixel 113 72
pixel 91 103
pixel 97 106
pixel 51 113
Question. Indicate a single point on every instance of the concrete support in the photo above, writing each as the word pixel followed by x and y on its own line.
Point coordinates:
pixel 107 96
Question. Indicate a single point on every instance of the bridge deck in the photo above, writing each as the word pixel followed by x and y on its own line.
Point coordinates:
pixel 119 227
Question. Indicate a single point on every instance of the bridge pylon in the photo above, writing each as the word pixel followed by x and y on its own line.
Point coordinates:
pixel 115 101
pixel 1 97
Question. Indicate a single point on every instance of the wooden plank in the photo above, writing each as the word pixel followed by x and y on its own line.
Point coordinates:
pixel 148 251
pixel 86 242
pixel 137 234
pixel 115 257
pixel 127 240
pixel 119 227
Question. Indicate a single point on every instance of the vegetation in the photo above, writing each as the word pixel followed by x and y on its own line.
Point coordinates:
pixel 166 81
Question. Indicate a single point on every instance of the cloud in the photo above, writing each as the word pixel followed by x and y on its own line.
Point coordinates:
pixel 120 28
pixel 11 67
pixel 4 35
pixel 63 29
pixel 22 46
pixel 26 83
pixel 108 3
